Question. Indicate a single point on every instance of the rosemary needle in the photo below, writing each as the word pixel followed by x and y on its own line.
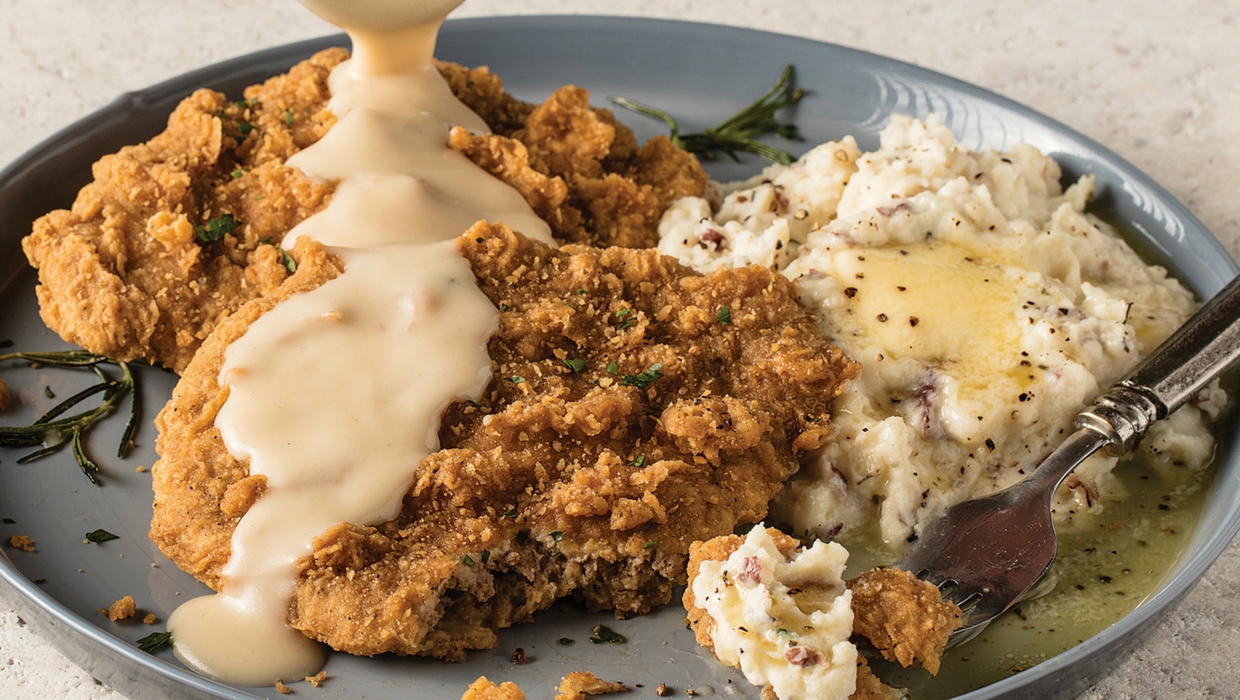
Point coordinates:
pixel 735 134
pixel 52 431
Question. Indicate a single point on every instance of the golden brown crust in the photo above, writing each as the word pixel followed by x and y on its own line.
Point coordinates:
pixel 556 485
pixel 578 684
pixel 123 272
pixel 583 173
pixel 904 617
pixel 122 609
pixel 483 689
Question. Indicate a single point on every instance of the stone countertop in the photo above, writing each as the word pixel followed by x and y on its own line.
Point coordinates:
pixel 1159 83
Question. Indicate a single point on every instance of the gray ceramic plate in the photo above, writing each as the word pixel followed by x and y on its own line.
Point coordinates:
pixel 700 72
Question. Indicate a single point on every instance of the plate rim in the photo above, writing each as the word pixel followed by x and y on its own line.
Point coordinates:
pixel 124 663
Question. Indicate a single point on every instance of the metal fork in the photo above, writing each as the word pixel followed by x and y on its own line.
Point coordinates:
pixel 986 554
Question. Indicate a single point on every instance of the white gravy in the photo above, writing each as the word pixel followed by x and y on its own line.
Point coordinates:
pixel 335 394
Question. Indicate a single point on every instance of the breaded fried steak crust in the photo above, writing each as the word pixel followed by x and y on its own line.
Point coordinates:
pixel 176 233
pixel 627 417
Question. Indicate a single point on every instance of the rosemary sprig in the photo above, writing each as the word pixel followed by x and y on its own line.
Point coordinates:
pixel 736 134
pixel 54 432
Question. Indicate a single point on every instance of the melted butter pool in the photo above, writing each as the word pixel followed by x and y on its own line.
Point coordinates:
pixel 1107 566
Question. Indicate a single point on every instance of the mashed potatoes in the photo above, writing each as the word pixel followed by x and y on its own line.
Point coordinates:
pixel 783 619
pixel 984 305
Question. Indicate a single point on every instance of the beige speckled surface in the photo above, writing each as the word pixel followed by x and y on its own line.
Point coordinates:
pixel 1157 82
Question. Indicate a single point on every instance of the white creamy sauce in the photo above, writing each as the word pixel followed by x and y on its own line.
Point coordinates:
pixel 335 394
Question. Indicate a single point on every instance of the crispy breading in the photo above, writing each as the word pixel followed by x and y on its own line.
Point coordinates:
pixel 576 685
pixel 484 689
pixel 127 272
pixel 904 617
pixel 122 609
pixel 583 173
pixel 640 424
pixel 124 274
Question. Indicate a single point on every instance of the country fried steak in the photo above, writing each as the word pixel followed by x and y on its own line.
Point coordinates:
pixel 635 407
pixel 175 234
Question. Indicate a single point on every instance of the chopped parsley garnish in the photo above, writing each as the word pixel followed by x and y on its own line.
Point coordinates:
pixel 623 312
pixel 644 379
pixel 515 379
pixel 289 263
pixel 650 545
pixel 503 306
pixel 566 641
pixel 237 172
pixel 581 291
pixel 641 460
pixel 245 128
pixel 8 521
pixel 486 555
pixel 724 316
pixel 47 391
pixel 574 365
pixel 155 641
pixel 217 228
pixel 288 117
pixel 100 535
pixel 557 535
pixel 613 368
pixel 602 634
pixel 40 580
pixel 467 560
pixel 511 514
pixel 565 303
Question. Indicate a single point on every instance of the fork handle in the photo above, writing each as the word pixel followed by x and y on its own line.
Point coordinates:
pixel 1179 368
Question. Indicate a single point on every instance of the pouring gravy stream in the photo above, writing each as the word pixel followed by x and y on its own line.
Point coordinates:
pixel 335 394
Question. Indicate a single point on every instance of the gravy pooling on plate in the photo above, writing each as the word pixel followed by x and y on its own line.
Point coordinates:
pixel 336 444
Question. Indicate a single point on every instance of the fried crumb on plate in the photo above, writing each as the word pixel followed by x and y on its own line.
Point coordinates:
pixel 283 689
pixel 150 619
pixel 317 679
pixel 483 689
pixel 904 617
pixel 578 684
pixel 122 609
pixel 22 542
